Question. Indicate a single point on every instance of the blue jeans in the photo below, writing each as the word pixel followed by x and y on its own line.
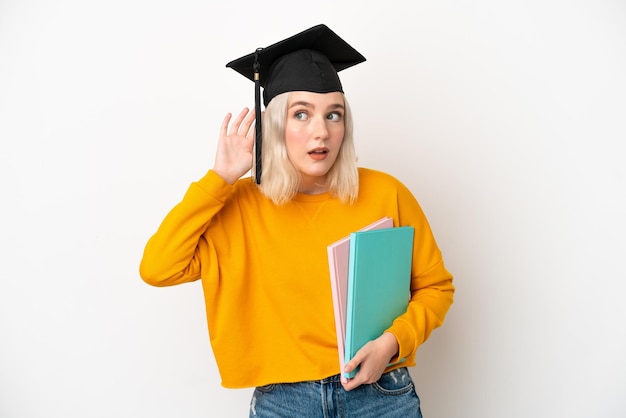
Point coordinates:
pixel 393 396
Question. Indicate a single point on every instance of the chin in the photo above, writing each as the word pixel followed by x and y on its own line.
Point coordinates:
pixel 316 173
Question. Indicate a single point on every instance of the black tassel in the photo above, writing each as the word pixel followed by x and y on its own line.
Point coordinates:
pixel 258 141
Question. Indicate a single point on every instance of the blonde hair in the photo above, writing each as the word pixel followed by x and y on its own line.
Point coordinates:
pixel 280 179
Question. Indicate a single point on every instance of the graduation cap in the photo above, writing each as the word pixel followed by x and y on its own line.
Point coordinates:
pixel 307 61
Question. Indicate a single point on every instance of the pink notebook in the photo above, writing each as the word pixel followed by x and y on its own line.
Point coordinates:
pixel 338 261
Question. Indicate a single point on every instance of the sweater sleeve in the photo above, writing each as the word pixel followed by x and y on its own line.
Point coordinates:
pixel 172 255
pixel 431 284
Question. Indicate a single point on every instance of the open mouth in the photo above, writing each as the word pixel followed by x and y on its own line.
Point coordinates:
pixel 318 151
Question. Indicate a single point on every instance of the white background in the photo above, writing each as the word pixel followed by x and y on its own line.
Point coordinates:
pixel 506 120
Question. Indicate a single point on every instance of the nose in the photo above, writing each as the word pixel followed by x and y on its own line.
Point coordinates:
pixel 320 130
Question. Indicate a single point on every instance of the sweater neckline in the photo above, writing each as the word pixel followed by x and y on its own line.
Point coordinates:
pixel 303 197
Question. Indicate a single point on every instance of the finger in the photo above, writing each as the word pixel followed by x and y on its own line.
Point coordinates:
pixel 352 383
pixel 356 360
pixel 248 123
pixel 234 129
pixel 251 131
pixel 225 122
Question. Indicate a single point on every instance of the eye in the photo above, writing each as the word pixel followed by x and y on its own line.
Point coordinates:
pixel 300 115
pixel 334 116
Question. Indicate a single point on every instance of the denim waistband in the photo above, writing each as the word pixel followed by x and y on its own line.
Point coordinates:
pixel 337 377
pixel 331 379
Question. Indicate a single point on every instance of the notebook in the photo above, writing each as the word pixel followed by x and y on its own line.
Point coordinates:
pixel 379 279
pixel 338 260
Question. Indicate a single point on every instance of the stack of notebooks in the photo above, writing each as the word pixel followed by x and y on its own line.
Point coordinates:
pixel 370 274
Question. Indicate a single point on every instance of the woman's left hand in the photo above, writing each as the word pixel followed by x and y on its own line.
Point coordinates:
pixel 373 358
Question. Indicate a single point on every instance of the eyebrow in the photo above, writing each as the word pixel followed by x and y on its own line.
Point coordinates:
pixel 307 104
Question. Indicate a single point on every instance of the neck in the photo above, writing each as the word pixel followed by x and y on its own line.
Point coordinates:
pixel 313 186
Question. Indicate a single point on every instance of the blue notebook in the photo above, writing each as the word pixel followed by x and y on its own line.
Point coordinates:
pixel 379 281
pixel 338 263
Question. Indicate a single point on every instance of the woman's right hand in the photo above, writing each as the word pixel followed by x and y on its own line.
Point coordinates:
pixel 233 157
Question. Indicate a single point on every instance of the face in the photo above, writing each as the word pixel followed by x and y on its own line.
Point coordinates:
pixel 313 135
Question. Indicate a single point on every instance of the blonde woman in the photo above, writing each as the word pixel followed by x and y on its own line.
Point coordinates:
pixel 259 247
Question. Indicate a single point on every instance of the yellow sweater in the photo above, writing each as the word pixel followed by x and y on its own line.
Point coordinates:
pixel 265 275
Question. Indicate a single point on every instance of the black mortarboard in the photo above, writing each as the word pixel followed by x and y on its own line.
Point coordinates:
pixel 308 61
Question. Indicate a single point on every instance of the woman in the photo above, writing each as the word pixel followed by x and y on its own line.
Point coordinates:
pixel 260 249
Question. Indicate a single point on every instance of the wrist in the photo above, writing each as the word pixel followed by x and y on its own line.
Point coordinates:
pixel 391 344
pixel 226 176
